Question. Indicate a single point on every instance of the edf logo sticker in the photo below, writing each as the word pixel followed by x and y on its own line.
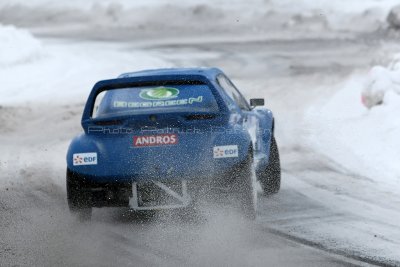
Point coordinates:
pixel 84 159
pixel 226 151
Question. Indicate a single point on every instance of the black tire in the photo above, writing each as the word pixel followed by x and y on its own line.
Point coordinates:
pixel 79 198
pixel 245 187
pixel 271 178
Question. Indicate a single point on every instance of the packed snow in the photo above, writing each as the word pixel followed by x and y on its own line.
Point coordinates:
pixel 359 126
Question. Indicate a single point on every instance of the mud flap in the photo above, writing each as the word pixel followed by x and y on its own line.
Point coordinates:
pixel 179 199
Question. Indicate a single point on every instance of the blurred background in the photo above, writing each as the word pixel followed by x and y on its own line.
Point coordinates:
pixel 329 70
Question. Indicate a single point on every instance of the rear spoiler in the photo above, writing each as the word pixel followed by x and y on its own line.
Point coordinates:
pixel 158 80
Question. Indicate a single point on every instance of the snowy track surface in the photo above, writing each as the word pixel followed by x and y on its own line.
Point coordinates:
pixel 324 215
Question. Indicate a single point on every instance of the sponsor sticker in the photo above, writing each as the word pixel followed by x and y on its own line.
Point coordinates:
pixel 230 151
pixel 84 159
pixel 155 140
pixel 158 103
pixel 159 93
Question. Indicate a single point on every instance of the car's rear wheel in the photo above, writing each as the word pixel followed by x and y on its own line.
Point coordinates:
pixel 270 179
pixel 79 198
pixel 245 185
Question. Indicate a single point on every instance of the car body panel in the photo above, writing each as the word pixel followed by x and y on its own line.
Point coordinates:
pixel 198 135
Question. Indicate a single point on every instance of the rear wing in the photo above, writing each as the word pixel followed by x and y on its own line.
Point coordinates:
pixel 160 80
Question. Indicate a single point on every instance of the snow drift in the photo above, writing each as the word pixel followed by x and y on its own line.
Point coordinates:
pixel 51 73
pixel 380 81
pixel 17 46
pixel 365 141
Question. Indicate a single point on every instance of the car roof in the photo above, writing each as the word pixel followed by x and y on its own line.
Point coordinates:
pixel 210 73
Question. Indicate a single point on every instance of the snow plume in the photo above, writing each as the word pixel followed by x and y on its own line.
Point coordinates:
pixel 362 140
pixel 17 46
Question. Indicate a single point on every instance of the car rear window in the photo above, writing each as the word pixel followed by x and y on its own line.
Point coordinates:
pixel 155 99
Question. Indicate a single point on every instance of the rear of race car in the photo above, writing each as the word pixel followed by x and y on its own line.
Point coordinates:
pixel 153 145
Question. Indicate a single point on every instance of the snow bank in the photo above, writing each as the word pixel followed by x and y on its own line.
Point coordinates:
pixel 68 73
pixel 380 81
pixel 17 46
pixel 200 15
pixel 365 141
pixel 122 13
pixel 53 73
pixel 349 15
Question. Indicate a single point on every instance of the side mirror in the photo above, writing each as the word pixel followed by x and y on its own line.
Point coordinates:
pixel 254 102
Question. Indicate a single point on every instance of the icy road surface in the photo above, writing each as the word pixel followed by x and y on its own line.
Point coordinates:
pixel 323 216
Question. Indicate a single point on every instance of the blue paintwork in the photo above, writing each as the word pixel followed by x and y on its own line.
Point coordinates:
pixel 192 157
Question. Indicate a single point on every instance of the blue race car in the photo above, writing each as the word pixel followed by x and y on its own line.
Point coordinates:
pixel 162 139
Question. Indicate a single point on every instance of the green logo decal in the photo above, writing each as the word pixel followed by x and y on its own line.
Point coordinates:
pixel 159 93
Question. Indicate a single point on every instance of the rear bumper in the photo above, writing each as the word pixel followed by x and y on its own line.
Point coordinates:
pixel 172 169
pixel 117 191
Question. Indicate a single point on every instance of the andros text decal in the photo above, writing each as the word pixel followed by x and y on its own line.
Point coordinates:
pixel 155 140
pixel 84 159
pixel 231 151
